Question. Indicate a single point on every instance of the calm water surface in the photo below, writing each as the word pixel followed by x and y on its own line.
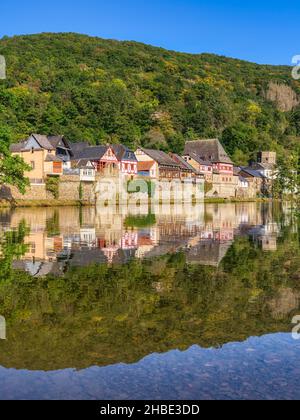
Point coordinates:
pixel 161 303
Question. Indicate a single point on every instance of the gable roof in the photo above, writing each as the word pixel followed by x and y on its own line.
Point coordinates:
pixel 208 150
pixel 43 141
pixel 57 140
pixel 85 164
pixel 91 153
pixel 79 147
pixel 262 166
pixel 199 160
pixel 236 170
pixel 123 153
pixel 252 172
pixel 184 165
pixel 162 158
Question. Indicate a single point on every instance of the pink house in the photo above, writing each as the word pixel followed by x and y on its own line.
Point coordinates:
pixel 115 159
pixel 127 160
pixel 212 152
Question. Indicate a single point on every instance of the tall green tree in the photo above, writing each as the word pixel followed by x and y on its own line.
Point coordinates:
pixel 12 168
pixel 287 180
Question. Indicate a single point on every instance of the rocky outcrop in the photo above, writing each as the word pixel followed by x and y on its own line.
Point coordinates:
pixel 282 95
pixel 284 303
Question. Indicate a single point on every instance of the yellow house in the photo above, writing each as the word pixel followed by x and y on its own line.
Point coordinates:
pixel 201 166
pixel 164 167
pixel 38 152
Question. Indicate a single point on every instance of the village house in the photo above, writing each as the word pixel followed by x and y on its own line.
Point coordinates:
pixel 223 180
pixel 63 149
pixel 103 158
pixel 128 163
pixel 266 164
pixel 205 168
pixel 187 170
pixel 242 184
pixel 86 170
pixel 204 163
pixel 164 166
pixel 109 159
pixel 42 155
pixel 257 182
pixel 147 169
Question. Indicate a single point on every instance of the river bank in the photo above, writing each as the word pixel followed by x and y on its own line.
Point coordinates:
pixel 78 203
pixel 44 203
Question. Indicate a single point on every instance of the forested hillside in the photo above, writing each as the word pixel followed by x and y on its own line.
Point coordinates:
pixel 108 91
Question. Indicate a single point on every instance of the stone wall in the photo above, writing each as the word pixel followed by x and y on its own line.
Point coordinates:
pixel 69 190
pixel 34 192
pixel 164 191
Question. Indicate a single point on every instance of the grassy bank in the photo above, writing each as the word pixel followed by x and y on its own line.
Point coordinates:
pixel 44 203
pixel 237 200
pixel 77 203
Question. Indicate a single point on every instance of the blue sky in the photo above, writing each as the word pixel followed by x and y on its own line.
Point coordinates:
pixel 260 31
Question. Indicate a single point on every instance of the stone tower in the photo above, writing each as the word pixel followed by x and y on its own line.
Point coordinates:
pixel 267 158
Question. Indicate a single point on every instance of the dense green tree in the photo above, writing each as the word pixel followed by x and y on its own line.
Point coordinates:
pixel 98 90
pixel 12 168
pixel 240 137
pixel 287 180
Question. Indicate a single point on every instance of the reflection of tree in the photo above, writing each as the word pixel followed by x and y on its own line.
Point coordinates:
pixel 102 315
pixel 140 221
pixel 52 225
pixel 12 247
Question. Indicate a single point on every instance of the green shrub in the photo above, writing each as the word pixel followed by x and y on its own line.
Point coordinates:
pixel 52 186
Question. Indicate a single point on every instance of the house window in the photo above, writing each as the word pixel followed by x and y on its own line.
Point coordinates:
pixel 32 164
pixel 32 248
pixel 57 167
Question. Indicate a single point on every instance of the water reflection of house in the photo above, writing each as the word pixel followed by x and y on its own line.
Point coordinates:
pixel 208 252
pixel 66 237
pixel 85 256
pixel 269 243
pixel 88 236
pixel 211 245
pixel 111 242
pixel 265 236
pixel 148 239
pixel 38 268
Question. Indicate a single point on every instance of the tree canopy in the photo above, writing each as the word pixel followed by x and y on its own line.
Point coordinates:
pixel 107 91
pixel 12 168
